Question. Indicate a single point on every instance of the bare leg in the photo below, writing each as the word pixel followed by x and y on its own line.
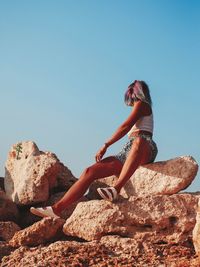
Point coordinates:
pixel 106 167
pixel 139 154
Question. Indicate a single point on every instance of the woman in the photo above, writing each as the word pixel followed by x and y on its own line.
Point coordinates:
pixel 139 150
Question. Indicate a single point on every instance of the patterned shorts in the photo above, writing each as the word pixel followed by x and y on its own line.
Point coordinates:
pixel 123 154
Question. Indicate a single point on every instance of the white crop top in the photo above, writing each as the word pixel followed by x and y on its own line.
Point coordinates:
pixel 144 123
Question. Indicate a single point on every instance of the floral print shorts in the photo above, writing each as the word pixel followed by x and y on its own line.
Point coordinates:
pixel 123 154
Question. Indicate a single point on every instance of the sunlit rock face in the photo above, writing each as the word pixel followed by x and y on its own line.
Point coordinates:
pixel 165 218
pixel 148 225
pixel 38 233
pixel 31 174
pixel 162 177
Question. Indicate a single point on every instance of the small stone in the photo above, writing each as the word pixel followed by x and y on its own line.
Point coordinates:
pixel 38 233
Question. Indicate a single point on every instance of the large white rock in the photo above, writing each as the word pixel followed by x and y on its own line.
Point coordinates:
pixel 164 218
pixel 162 177
pixel 31 174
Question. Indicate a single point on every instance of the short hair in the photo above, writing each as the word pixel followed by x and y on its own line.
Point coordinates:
pixel 132 95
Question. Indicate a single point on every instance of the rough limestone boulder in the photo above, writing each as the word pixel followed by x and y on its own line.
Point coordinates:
pixel 196 232
pixel 7 230
pixel 39 233
pixel 164 218
pixel 8 209
pixel 163 177
pixel 31 174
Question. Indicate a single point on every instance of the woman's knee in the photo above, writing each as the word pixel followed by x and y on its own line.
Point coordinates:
pixel 106 167
pixel 88 173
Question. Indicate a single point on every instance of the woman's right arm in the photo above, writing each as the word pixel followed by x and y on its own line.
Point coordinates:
pixel 140 109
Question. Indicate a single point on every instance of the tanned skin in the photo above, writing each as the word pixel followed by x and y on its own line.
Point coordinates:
pixel 140 153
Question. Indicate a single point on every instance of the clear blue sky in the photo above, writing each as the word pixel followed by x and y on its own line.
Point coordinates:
pixel 65 65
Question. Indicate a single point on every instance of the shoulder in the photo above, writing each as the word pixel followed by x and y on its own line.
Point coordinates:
pixel 144 108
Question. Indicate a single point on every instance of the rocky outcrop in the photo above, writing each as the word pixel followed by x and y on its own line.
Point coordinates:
pixel 31 174
pixel 142 231
pixel 163 177
pixel 166 218
pixel 7 230
pixel 109 251
pixel 148 226
pixel 8 209
pixel 39 233
pixel 65 253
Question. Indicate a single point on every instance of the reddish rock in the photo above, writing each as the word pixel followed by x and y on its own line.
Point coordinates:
pixel 102 254
pixel 39 233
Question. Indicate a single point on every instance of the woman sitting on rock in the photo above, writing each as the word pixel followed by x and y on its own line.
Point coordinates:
pixel 140 149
